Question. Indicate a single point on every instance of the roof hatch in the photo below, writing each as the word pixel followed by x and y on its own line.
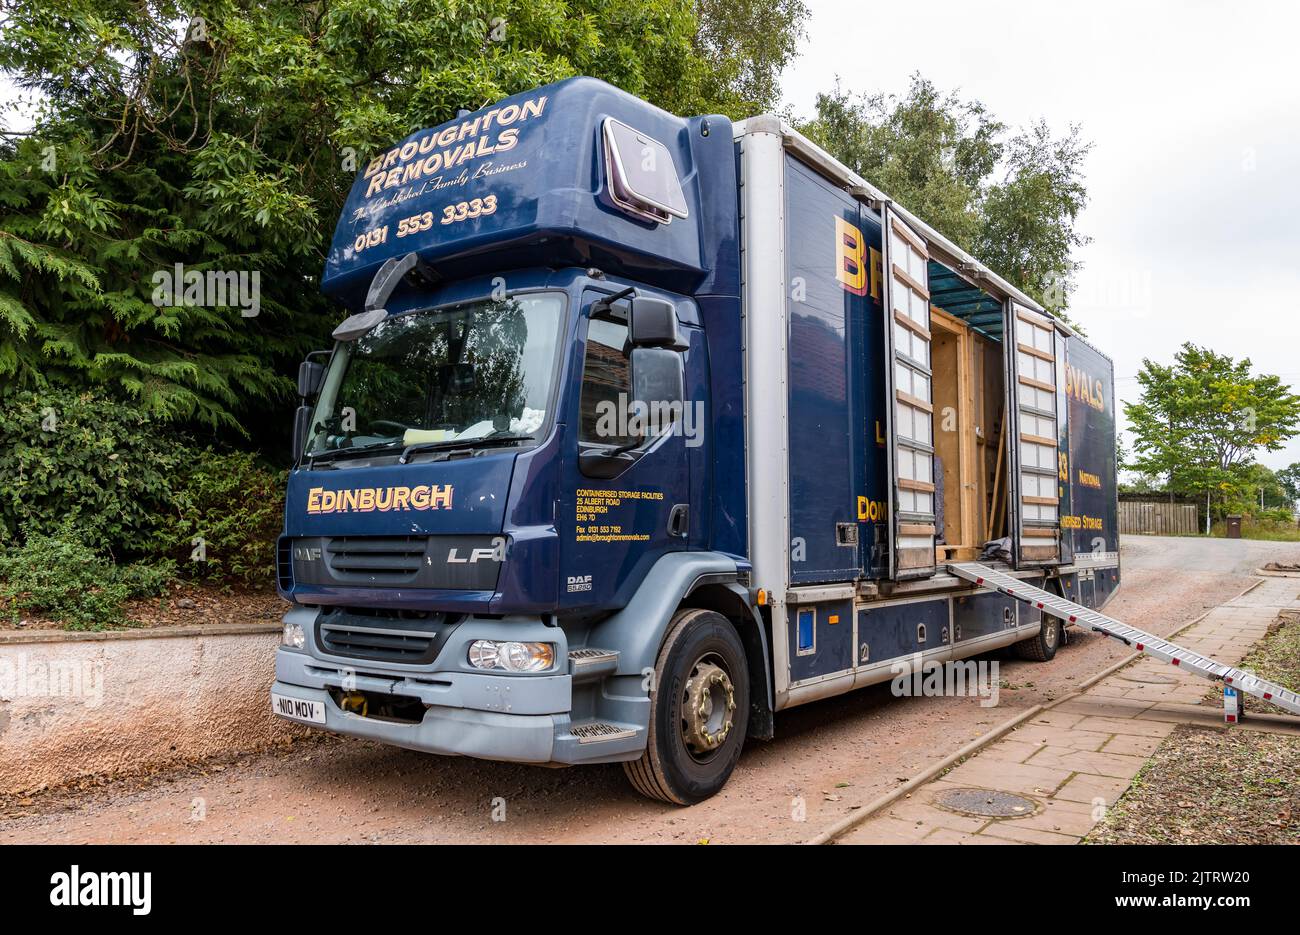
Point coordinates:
pixel 642 177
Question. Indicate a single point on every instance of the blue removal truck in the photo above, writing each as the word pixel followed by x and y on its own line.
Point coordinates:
pixel 639 429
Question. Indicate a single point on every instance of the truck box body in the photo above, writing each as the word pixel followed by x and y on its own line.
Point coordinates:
pixel 860 402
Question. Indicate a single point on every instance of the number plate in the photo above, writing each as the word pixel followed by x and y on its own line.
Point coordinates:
pixel 312 712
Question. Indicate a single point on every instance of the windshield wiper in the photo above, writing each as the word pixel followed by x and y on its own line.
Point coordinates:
pixel 337 453
pixel 466 444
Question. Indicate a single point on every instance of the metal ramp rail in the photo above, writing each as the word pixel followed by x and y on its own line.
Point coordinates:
pixel 1234 680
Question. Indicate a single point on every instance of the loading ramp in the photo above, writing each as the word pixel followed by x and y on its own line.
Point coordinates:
pixel 1234 680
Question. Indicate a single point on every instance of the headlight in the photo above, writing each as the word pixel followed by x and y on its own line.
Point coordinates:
pixel 293 636
pixel 510 656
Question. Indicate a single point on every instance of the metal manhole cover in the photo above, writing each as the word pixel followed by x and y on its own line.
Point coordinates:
pixel 986 804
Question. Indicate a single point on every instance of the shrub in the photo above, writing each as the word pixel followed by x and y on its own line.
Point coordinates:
pixel 88 459
pixel 234 505
pixel 87 480
pixel 59 575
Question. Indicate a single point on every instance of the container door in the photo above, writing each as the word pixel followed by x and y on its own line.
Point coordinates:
pixel 1034 438
pixel 911 429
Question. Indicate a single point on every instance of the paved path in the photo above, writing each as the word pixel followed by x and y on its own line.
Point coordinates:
pixel 1075 759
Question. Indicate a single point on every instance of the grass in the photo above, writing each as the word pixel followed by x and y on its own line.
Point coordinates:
pixel 1211 786
pixel 1267 530
pixel 1220 785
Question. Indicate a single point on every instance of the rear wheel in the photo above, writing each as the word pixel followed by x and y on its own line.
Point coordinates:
pixel 1043 646
pixel 699 711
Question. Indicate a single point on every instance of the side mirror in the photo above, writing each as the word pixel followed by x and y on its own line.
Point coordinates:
pixel 301 426
pixel 658 383
pixel 310 375
pixel 654 324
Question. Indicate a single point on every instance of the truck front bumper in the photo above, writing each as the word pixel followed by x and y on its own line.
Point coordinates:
pixel 490 735
pixel 483 714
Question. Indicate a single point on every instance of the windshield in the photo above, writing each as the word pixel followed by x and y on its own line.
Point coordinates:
pixel 473 372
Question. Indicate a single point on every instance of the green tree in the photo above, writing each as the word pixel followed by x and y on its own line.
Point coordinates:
pixel 1027 221
pixel 1289 478
pixel 1257 489
pixel 746 44
pixel 225 136
pixel 1200 421
pixel 1011 202
pixel 1162 434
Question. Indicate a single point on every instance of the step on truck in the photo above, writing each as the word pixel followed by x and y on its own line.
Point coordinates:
pixel 638 429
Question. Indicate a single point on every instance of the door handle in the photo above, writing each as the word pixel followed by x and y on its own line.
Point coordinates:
pixel 679 520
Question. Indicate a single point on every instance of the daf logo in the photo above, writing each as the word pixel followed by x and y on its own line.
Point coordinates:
pixel 495 554
pixel 306 553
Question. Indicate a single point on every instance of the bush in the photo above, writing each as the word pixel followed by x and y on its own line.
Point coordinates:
pixel 132 487
pixel 229 510
pixel 59 575
pixel 1276 516
pixel 89 460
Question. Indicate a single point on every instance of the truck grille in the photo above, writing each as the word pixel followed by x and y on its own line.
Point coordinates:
pixel 379 559
pixel 383 636
pixel 470 562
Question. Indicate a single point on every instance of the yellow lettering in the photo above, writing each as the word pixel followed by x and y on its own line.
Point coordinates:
pixel 871 510
pixel 850 253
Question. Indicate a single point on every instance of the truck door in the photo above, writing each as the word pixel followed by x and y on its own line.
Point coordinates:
pixel 1034 437
pixel 910 410
pixel 614 528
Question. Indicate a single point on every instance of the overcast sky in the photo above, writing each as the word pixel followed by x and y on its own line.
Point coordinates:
pixel 1194 110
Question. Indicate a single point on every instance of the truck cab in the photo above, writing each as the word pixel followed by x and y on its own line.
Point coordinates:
pixel 507 481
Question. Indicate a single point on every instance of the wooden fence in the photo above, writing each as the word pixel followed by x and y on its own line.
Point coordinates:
pixel 1158 518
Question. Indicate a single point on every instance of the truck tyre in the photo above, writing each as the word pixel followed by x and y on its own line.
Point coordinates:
pixel 699 711
pixel 1043 645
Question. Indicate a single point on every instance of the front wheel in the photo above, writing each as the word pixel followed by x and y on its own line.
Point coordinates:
pixel 699 711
